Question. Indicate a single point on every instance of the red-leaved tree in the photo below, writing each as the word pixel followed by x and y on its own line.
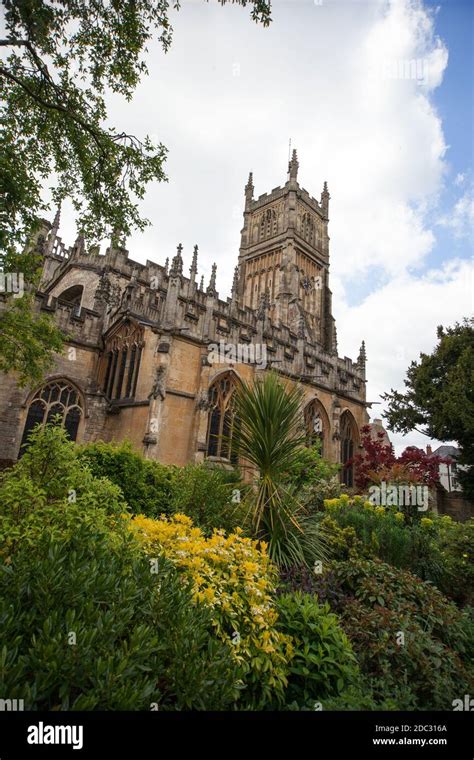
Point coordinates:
pixel 377 461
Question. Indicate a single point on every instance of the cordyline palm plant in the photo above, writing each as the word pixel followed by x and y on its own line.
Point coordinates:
pixel 269 438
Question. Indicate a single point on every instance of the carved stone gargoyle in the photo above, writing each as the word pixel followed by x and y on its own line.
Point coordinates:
pixel 158 387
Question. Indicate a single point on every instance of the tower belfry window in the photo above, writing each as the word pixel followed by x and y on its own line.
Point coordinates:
pixel 268 224
pixel 307 228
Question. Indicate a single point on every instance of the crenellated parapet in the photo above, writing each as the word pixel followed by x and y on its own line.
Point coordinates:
pixel 80 325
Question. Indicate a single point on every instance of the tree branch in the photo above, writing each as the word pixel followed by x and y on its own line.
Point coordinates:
pixel 53 106
pixel 13 42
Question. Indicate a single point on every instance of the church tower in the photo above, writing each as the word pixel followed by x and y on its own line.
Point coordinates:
pixel 284 257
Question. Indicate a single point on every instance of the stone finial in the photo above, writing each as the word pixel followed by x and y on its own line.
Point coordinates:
pixel 117 239
pixel 334 340
pixel 57 219
pixel 249 188
pixel 211 288
pixel 177 262
pixel 53 233
pixel 193 267
pixel 325 197
pixel 235 281
pixel 167 263
pixel 201 284
pixel 362 358
pixel 80 244
pixel 293 166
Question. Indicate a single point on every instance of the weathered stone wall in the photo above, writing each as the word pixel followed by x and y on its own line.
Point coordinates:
pixel 88 278
pixel 127 423
pixel 11 400
pixel 455 505
pixel 76 366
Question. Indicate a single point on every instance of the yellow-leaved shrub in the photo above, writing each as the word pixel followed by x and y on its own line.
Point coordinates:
pixel 234 577
pixel 340 502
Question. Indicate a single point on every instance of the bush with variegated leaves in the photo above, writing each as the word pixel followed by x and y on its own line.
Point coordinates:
pixel 234 577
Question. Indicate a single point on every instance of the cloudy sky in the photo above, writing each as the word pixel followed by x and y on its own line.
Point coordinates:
pixel 377 99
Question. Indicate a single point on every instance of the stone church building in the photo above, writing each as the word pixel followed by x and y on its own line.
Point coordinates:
pixel 137 363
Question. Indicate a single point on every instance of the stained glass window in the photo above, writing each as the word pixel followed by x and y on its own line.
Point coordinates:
pixel 222 418
pixel 56 401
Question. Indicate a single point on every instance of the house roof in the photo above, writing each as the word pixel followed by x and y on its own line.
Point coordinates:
pixel 446 451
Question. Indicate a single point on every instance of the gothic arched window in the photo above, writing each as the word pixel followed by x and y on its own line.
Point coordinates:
pixel 121 363
pixel 72 295
pixel 122 366
pixel 307 228
pixel 131 370
pixel 59 397
pixel 268 224
pixel 316 425
pixel 349 438
pixel 318 236
pixel 222 420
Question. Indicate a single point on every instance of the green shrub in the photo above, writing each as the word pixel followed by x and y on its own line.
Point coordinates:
pixel 375 583
pixel 384 533
pixel 362 697
pixel 314 478
pixel 85 623
pixel 310 468
pixel 323 664
pixel 147 486
pixel 430 664
pixel 456 544
pixel 212 497
pixel 131 646
pixel 208 495
pixel 342 542
pixel 44 485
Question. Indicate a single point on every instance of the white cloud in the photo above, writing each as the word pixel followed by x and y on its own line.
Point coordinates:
pixel 227 98
pixel 461 218
pixel 399 321
pixel 310 76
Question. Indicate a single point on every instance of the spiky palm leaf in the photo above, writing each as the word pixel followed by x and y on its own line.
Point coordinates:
pixel 269 438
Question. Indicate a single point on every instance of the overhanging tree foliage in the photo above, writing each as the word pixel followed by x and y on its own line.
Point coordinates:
pixel 439 396
pixel 58 60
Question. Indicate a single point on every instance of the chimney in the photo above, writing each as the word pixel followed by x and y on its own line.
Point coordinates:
pixel 429 450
